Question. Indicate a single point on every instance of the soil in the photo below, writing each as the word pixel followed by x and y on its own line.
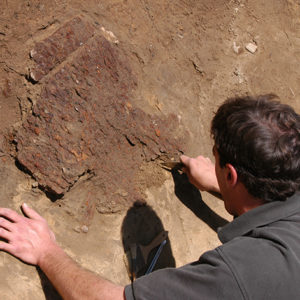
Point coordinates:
pixel 83 147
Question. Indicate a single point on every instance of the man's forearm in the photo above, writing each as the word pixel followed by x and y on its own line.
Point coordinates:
pixel 74 282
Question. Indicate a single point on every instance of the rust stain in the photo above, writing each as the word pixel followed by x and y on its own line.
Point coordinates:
pixel 157 132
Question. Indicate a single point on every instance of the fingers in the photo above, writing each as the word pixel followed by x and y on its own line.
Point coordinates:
pixel 6 224
pixel 30 213
pixel 10 214
pixel 184 169
pixel 201 157
pixel 184 159
pixel 7 247
pixel 4 234
pixel 15 217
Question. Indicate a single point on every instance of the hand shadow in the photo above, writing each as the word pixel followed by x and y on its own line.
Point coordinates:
pixel 190 196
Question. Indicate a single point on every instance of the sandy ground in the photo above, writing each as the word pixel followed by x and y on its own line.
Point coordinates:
pixel 187 56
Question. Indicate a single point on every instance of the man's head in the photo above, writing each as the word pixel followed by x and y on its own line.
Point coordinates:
pixel 260 138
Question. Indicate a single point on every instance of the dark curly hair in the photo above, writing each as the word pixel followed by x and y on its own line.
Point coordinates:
pixel 260 137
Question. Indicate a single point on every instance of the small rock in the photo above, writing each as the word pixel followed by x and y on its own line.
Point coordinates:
pixel 109 35
pixel 238 73
pixel 77 229
pixel 84 229
pixel 122 193
pixel 33 76
pixel 251 47
pixel 32 53
pixel 35 184
pixel 236 48
pixel 89 82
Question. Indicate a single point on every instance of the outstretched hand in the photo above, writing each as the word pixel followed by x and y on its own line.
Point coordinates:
pixel 201 173
pixel 28 238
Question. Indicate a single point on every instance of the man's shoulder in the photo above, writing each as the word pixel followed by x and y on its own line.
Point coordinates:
pixel 266 257
pixel 270 244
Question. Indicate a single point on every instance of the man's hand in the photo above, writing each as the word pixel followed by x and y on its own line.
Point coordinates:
pixel 28 238
pixel 201 173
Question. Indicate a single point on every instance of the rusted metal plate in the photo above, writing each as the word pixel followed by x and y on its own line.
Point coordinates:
pixel 84 123
pixel 55 49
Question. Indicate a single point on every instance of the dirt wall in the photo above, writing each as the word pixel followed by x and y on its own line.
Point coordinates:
pixel 185 58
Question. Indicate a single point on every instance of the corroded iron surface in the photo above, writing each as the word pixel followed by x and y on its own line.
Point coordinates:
pixel 85 123
pixel 55 49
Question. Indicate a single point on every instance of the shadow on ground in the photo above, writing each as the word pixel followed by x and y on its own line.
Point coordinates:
pixel 141 226
pixel 48 289
pixel 191 198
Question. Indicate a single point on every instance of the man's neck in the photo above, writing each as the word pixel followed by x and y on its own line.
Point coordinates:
pixel 245 200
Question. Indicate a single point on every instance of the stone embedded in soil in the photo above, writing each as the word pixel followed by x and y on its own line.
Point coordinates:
pixel 84 122
pixel 251 47
pixel 236 48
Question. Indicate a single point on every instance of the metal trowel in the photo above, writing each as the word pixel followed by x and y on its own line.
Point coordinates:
pixel 172 165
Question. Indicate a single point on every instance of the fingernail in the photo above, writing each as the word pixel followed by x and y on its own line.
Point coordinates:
pixel 25 204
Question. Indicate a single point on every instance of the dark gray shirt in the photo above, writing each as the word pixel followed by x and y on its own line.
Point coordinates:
pixel 259 259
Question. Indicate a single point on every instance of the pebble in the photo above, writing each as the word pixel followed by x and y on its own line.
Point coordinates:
pixel 33 76
pixel 236 48
pixel 109 35
pixel 89 83
pixel 32 53
pixel 35 184
pixel 84 229
pixel 77 229
pixel 251 47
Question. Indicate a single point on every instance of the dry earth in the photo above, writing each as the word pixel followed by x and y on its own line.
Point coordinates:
pixel 185 58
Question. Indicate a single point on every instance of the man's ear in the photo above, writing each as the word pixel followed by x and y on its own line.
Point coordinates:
pixel 231 175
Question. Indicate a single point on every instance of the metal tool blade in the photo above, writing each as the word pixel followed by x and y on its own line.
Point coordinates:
pixel 170 165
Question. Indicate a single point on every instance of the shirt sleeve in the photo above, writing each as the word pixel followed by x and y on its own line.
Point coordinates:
pixel 207 278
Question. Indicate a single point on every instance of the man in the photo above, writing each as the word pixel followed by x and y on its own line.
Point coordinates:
pixel 257 172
